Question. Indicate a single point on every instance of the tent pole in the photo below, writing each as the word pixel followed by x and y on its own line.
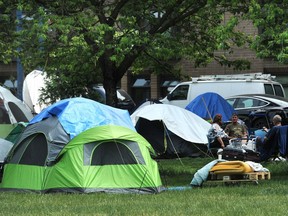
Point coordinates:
pixel 207 110
pixel 173 145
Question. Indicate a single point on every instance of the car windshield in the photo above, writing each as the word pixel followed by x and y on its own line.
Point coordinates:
pixel 231 101
pixel 123 95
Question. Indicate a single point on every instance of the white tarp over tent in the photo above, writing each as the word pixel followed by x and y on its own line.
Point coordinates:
pixel 32 85
pixel 5 147
pixel 181 122
pixel 12 110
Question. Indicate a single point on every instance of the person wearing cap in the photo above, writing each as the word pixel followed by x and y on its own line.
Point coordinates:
pixel 235 129
pixel 220 137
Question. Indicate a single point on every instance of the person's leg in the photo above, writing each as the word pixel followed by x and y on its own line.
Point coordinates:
pixel 218 143
pixel 225 141
pixel 264 153
pixel 259 144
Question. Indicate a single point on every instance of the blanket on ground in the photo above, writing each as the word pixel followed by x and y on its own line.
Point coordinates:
pixel 231 167
pixel 202 174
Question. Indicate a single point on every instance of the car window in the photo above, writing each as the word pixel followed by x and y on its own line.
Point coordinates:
pixel 99 95
pixel 250 103
pixel 259 103
pixel 243 103
pixel 268 89
pixel 180 93
pixel 278 90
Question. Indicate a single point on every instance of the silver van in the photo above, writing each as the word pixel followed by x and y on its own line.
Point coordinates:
pixel 224 85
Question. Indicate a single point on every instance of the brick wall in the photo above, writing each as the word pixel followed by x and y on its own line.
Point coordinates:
pixel 154 86
pixel 125 83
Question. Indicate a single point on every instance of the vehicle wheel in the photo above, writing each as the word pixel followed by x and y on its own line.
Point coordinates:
pixel 260 123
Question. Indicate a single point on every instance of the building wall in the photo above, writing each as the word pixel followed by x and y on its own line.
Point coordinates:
pixel 257 65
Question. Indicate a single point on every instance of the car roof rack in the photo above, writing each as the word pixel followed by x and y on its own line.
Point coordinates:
pixel 245 76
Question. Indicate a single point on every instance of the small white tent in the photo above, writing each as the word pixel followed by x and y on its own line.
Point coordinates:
pixel 12 110
pixel 184 126
pixel 32 85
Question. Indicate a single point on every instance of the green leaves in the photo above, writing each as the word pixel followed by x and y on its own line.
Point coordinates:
pixel 82 42
pixel 271 18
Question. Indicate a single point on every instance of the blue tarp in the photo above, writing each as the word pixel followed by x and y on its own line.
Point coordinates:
pixel 260 133
pixel 211 103
pixel 79 114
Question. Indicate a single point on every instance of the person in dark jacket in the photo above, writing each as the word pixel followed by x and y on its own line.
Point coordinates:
pixel 267 146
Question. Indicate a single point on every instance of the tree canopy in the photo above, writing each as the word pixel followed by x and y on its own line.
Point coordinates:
pixel 271 18
pixel 7 34
pixel 82 42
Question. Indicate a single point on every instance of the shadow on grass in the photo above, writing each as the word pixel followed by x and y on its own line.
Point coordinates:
pixel 179 172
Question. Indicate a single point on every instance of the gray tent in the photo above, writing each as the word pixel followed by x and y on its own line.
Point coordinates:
pixel 45 139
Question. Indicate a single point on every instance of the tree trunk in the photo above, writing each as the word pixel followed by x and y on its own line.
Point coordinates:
pixel 110 89
pixel 109 81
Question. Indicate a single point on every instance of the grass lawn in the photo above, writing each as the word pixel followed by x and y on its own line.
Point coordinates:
pixel 269 197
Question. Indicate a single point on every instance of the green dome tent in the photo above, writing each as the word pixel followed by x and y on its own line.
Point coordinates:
pixel 37 149
pixel 106 158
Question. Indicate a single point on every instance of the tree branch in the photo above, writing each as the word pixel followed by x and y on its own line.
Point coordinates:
pixel 186 13
pixel 116 11
pixel 164 18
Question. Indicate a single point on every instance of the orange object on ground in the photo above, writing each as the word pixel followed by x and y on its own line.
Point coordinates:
pixel 231 167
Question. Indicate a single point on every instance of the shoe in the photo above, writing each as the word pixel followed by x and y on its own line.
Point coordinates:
pixel 219 151
pixel 279 159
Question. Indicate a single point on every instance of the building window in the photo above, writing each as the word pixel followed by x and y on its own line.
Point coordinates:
pixel 141 83
pixel 140 90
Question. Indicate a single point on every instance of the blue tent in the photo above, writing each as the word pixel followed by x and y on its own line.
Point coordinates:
pixel 209 104
pixel 79 114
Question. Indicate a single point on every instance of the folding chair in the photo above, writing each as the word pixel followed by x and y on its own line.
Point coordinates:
pixel 276 147
pixel 211 151
pixel 282 142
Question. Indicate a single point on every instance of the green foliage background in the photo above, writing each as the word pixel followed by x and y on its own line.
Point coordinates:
pixel 83 42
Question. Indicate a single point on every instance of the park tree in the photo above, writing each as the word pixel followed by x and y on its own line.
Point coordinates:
pixel 7 34
pixel 82 42
pixel 271 18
